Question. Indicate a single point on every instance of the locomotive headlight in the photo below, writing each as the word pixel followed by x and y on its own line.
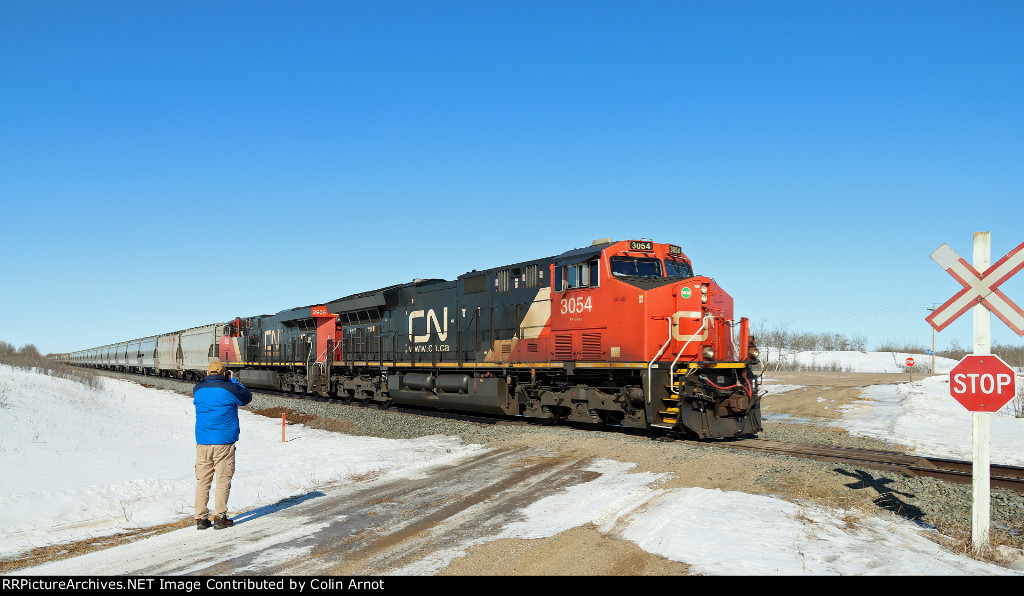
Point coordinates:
pixel 754 353
pixel 708 353
pixel 704 294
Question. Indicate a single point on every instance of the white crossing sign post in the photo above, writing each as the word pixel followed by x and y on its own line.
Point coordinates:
pixel 985 376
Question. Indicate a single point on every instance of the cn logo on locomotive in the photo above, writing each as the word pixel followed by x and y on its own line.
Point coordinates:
pixel 432 322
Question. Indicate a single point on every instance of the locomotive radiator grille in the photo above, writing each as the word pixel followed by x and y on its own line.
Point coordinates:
pixel 591 343
pixel 563 347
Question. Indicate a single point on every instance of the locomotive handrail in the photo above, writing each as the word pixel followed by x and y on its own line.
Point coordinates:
pixel 656 356
pixel 672 369
pixel 322 365
pixel 732 339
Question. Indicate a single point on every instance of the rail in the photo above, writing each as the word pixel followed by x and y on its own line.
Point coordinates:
pixel 960 472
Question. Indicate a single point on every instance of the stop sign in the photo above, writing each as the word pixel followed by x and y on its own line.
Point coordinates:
pixel 910 362
pixel 982 383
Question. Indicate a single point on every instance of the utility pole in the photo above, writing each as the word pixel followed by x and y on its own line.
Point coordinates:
pixel 933 342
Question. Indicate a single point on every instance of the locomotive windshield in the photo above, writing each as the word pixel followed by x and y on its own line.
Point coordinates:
pixel 675 268
pixel 636 266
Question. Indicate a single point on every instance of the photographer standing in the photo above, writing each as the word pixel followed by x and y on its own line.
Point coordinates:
pixel 216 399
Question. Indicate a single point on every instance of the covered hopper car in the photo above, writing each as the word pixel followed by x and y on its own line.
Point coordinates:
pixel 183 354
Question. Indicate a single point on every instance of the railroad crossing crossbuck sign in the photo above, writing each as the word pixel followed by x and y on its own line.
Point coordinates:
pixel 979 288
pixel 982 382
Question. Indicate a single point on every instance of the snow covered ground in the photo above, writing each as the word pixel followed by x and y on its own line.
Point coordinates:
pixel 78 462
pixel 921 414
pixel 852 361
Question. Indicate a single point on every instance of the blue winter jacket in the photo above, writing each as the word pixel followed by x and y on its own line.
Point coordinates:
pixel 217 400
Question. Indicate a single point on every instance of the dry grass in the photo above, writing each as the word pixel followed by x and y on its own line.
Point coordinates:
pixel 957 538
pixel 56 552
pixel 310 420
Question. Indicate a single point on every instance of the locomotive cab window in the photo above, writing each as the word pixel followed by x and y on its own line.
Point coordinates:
pixel 572 276
pixel 677 268
pixel 578 275
pixel 635 266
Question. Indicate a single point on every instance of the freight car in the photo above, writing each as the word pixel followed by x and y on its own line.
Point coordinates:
pixel 618 332
pixel 64 358
pixel 183 354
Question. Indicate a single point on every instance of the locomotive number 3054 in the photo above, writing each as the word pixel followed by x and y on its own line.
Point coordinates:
pixel 576 304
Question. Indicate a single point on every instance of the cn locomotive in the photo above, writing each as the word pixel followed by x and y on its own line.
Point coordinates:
pixel 619 332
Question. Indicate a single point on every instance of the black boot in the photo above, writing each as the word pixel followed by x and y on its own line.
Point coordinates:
pixel 219 523
pixel 203 523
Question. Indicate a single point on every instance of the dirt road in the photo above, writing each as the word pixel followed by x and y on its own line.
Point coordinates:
pixel 822 394
pixel 384 526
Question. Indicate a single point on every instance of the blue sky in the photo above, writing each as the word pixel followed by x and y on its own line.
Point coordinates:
pixel 164 165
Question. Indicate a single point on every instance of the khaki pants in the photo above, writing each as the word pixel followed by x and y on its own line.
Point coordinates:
pixel 219 461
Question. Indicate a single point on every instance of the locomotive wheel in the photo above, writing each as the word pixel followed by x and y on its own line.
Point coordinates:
pixel 553 420
pixel 597 424
pixel 542 415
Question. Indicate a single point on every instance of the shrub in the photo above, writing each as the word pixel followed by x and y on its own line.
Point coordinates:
pixel 1011 354
pixel 904 346
pixel 27 357
pixel 779 336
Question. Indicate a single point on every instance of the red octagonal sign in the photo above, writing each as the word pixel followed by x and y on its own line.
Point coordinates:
pixel 982 383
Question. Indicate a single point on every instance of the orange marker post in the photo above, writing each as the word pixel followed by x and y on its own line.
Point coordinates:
pixel 282 427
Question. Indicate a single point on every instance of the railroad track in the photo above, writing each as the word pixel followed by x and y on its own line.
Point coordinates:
pixel 961 472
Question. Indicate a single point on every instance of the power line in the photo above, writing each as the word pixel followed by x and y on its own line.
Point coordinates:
pixel 858 314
